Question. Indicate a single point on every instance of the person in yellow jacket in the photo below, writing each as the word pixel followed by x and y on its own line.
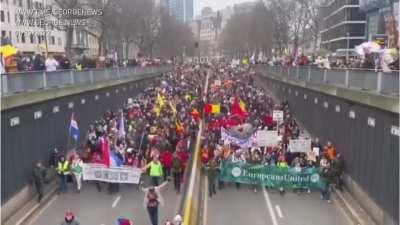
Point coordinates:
pixel 156 170
pixel 63 171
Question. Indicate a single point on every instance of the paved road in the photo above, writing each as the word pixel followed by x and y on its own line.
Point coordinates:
pixel 245 207
pixel 96 208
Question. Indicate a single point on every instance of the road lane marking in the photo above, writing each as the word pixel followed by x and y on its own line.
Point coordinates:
pixel 270 208
pixel 116 201
pixel 45 207
pixel 279 211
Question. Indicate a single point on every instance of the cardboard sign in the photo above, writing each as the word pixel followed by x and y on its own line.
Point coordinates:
pixel 299 145
pixel 267 137
pixel 277 115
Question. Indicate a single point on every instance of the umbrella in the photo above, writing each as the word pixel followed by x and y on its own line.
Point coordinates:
pixel 8 50
pixel 367 47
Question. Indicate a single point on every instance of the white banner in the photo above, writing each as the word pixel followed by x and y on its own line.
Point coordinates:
pixel 123 174
pixel 277 115
pixel 299 145
pixel 243 143
pixel 267 137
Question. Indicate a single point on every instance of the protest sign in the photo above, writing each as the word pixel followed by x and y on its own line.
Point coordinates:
pixel 267 137
pixel 228 138
pixel 299 145
pixel 316 151
pixel 123 174
pixel 271 176
pixel 277 115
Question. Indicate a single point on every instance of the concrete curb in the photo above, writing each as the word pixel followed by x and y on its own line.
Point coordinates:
pixel 352 209
pixel 21 216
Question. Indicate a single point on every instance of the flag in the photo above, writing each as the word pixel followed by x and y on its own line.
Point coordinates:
pixel 8 50
pixel 237 109
pixel 196 115
pixel 179 128
pixel 122 221
pixel 121 128
pixel 110 158
pixel 216 108
pixel 242 105
pixel 173 107
pixel 105 147
pixel 207 108
pixel 73 128
pixel 160 100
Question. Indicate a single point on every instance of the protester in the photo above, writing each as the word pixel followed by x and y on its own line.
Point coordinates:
pixel 63 171
pixel 70 219
pixel 176 172
pixel 152 199
pixel 51 64
pixel 156 171
pixel 76 169
pixel 212 173
pixel 39 178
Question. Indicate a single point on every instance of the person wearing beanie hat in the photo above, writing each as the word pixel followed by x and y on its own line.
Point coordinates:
pixel 70 219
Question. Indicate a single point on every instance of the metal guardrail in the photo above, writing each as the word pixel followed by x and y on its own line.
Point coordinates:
pixel 14 83
pixel 364 79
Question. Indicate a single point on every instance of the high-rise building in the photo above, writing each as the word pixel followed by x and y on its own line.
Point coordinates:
pixel 181 9
pixel 343 25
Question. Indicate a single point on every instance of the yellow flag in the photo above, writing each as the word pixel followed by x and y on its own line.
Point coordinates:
pixel 160 100
pixel 242 105
pixel 216 108
pixel 173 107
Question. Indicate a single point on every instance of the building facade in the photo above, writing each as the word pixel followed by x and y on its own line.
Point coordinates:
pixel 343 25
pixel 181 9
pixel 382 18
pixel 25 31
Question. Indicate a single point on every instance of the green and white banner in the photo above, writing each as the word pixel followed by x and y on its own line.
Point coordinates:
pixel 271 176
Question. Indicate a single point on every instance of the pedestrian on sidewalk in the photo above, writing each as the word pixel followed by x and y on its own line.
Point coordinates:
pixel 70 219
pixel 39 176
pixel 152 199
pixel 327 176
pixel 63 171
pixel 212 174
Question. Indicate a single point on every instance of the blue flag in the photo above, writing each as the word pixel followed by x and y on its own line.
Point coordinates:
pixel 73 128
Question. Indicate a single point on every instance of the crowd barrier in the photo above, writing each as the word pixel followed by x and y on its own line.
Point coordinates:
pixel 373 80
pixel 13 83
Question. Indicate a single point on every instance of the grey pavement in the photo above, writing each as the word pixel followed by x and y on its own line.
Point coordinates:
pixel 96 208
pixel 245 207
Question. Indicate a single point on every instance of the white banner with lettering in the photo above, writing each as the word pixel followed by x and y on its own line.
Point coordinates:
pixel 299 145
pixel 267 137
pixel 123 174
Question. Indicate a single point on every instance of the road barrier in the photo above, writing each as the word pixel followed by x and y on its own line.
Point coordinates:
pixel 13 83
pixel 373 80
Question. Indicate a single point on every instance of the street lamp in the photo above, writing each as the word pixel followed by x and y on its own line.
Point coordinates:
pixel 348 47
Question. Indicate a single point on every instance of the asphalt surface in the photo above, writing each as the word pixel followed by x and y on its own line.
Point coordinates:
pixel 100 208
pixel 231 206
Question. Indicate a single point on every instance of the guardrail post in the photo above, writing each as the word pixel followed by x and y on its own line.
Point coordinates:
pixel 91 76
pixel 324 79
pixel 309 73
pixel 71 74
pixel 297 73
pixel 347 77
pixel 44 79
pixel 4 84
pixel 379 82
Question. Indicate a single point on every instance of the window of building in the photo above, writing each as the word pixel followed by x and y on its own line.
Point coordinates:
pixel 8 17
pixel 23 37
pixel 39 39
pixel 17 35
pixel 2 16
pixel 10 36
pixel 20 3
pixel 32 38
pixel 3 34
pixel 29 3
pixel 59 41
pixel 53 40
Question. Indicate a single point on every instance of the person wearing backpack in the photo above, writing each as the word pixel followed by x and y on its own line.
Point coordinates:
pixel 152 199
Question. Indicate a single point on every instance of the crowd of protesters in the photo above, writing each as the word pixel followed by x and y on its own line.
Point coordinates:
pixel 155 134
pixel 39 62
pixel 258 115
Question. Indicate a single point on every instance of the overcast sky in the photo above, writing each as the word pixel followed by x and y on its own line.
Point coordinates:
pixel 214 4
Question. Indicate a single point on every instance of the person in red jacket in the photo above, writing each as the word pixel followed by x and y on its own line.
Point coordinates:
pixel 166 160
pixel 184 157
